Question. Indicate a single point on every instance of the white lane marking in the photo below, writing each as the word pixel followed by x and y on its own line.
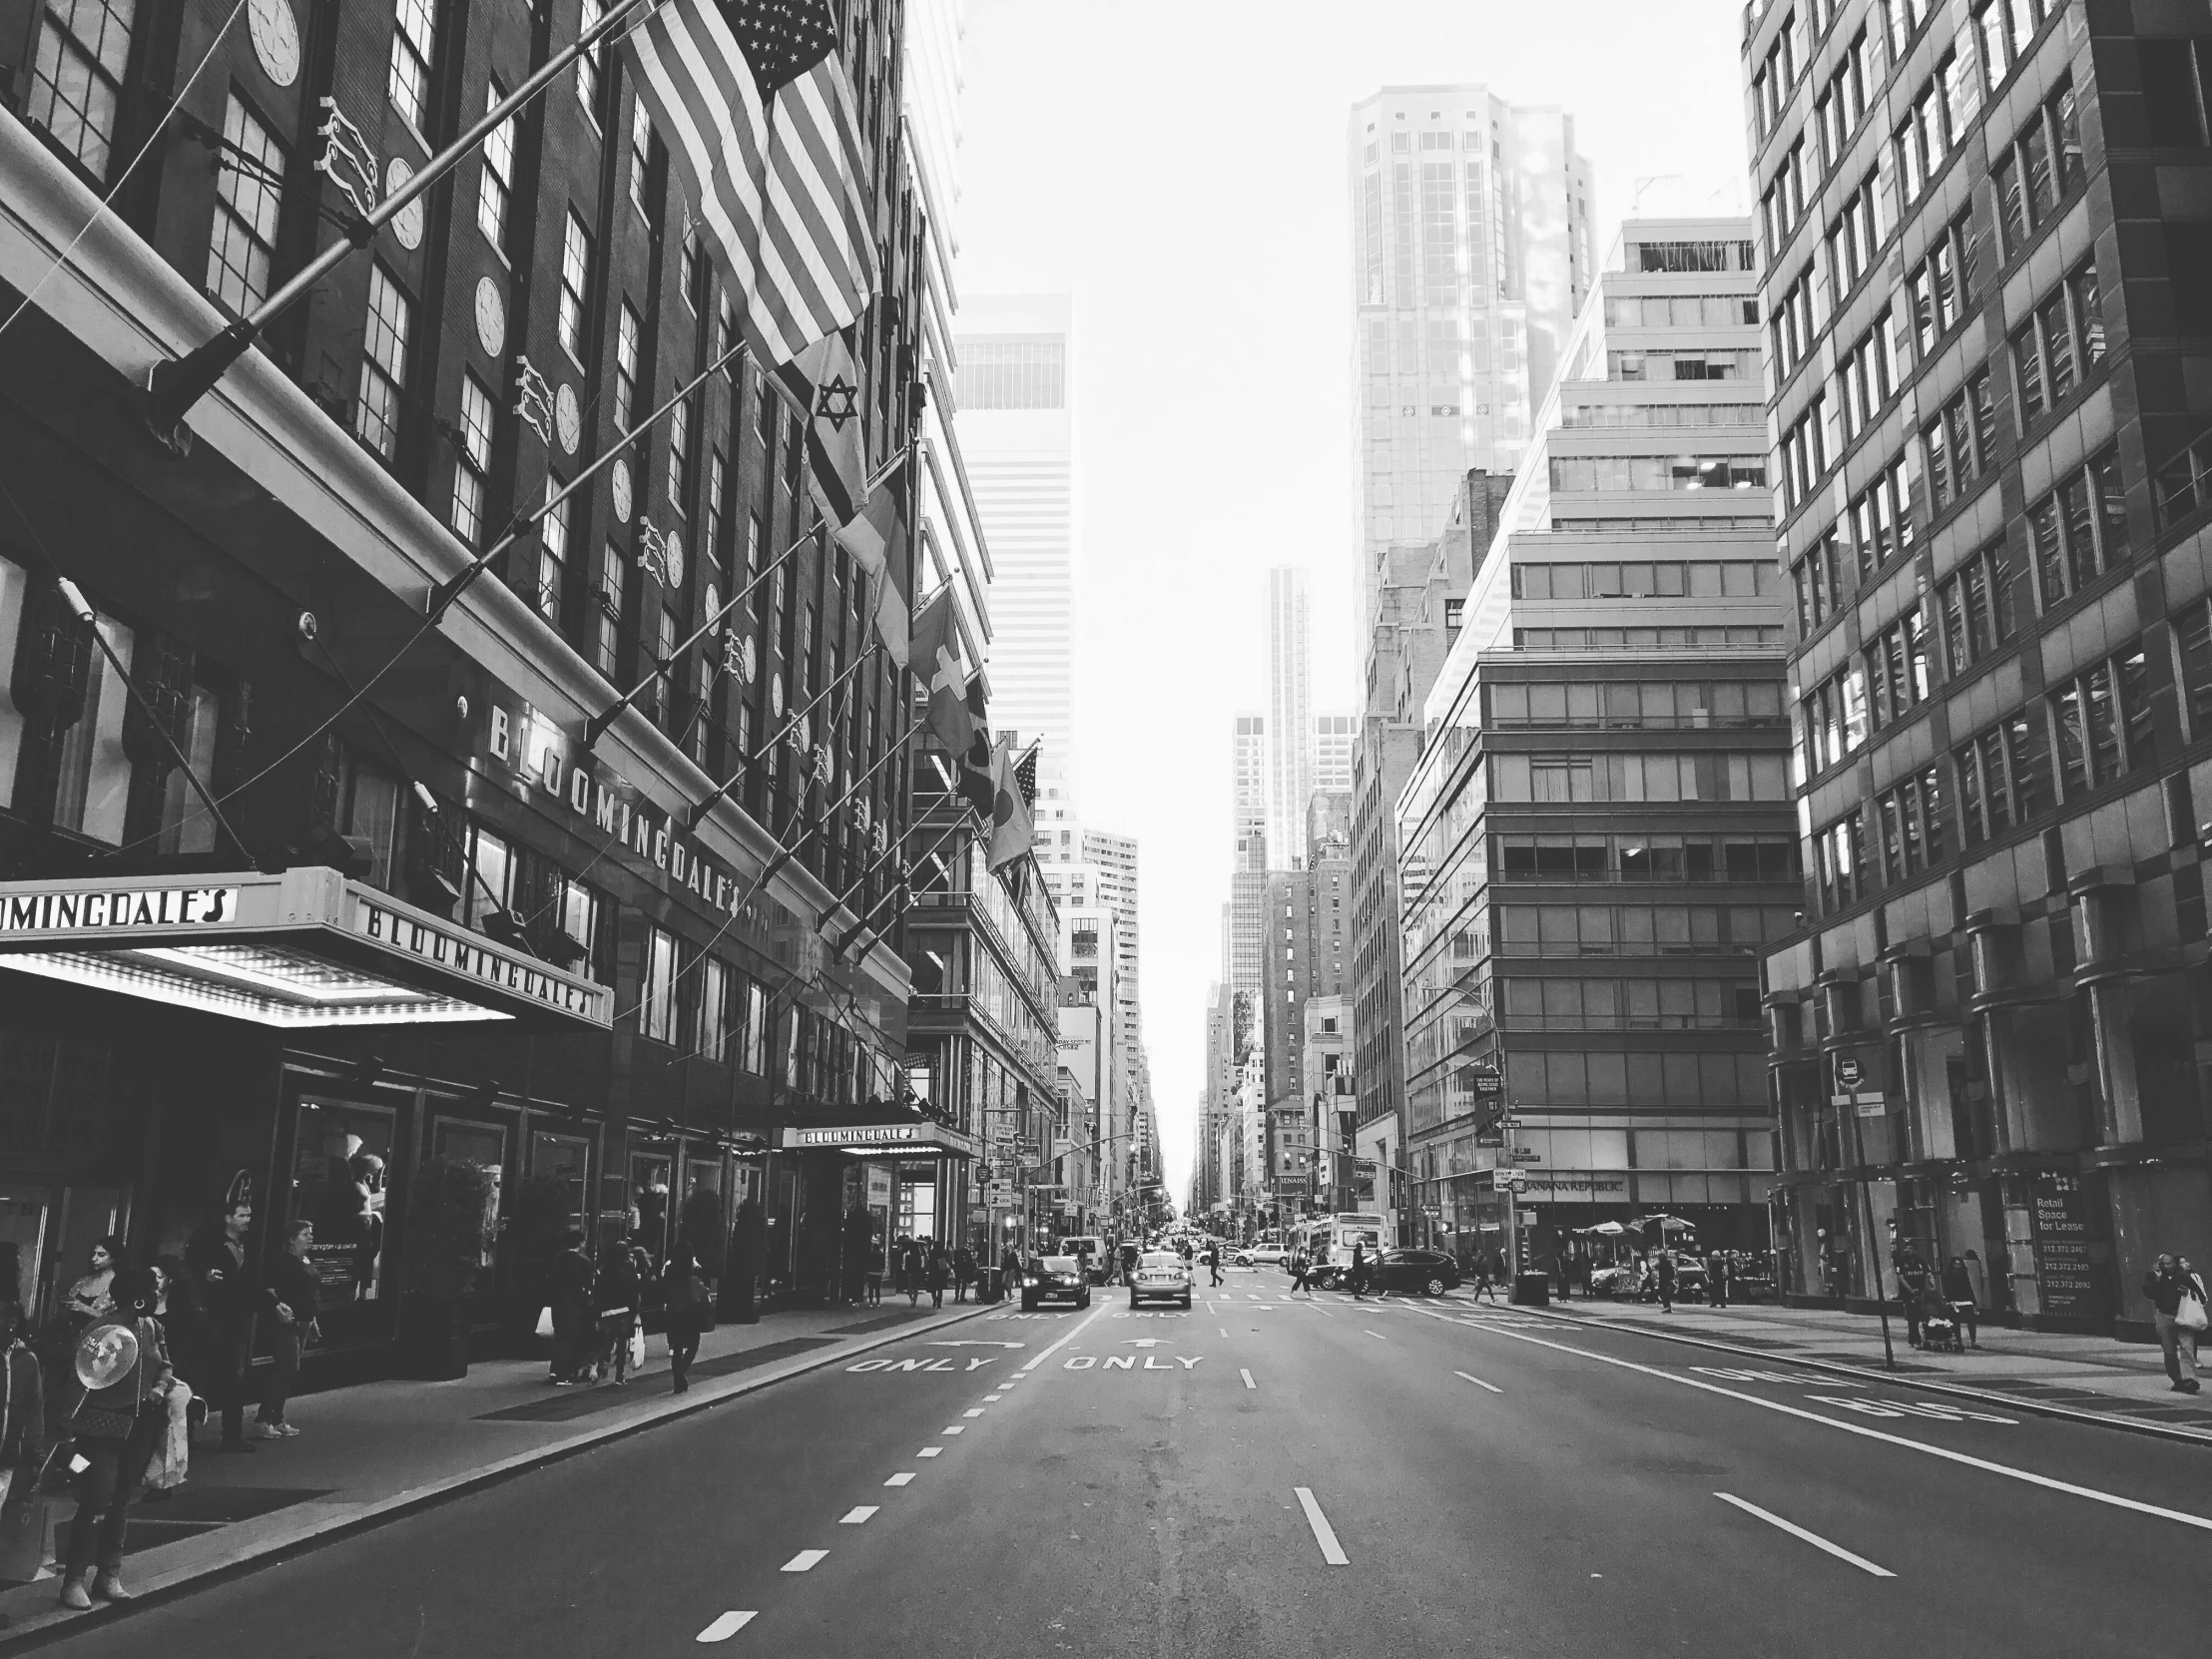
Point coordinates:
pixel 901 1478
pixel 988 1399
pixel 1097 1313
pixel 929 1452
pixel 1376 1335
pixel 1813 1538
pixel 1225 1331
pixel 2047 1482
pixel 1246 1376
pixel 972 1412
pixel 804 1561
pixel 952 1428
pixel 1324 1534
pixel 725 1627
pixel 857 1515
pixel 1478 1382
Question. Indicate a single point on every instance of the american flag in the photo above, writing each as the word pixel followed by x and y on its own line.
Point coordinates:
pixel 757 107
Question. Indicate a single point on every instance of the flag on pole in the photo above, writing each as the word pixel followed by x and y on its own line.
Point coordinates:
pixel 825 381
pixel 756 103
pixel 978 767
pixel 889 605
pixel 1014 823
pixel 937 663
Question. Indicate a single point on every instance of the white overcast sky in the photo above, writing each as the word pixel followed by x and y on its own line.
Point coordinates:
pixel 1179 168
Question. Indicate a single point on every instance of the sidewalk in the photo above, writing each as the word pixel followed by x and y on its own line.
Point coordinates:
pixel 2099 1375
pixel 368 1452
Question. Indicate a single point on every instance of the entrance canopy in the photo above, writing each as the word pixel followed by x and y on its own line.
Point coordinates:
pixel 306 948
pixel 906 1139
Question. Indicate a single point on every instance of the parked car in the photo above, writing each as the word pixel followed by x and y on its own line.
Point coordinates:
pixel 1163 1276
pixel 1253 1255
pixel 1054 1277
pixel 1424 1272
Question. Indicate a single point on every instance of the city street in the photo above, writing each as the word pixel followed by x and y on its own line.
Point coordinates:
pixel 1265 1475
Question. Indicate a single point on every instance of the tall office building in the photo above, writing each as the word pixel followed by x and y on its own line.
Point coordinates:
pixel 1333 736
pixel 1247 775
pixel 1597 843
pixel 1016 402
pixel 1471 255
pixel 1991 411
pixel 1290 734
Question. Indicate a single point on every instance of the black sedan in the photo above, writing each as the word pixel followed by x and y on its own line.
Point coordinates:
pixel 1421 1272
pixel 1048 1276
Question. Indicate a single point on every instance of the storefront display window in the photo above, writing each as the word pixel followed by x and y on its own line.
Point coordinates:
pixel 649 1200
pixel 565 1161
pixel 341 1160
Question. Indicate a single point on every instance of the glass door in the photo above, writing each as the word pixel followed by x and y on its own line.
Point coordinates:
pixel 342 1157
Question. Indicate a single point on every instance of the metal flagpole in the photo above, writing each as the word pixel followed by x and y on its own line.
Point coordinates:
pixel 596 727
pixel 698 812
pixel 175 384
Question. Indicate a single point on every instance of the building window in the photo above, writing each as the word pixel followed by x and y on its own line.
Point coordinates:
pixel 496 185
pixel 2059 346
pixel 1976 606
pixel 2039 169
pixel 610 611
pixel 575 281
pixel 712 1022
pixel 641 157
pixel 717 478
pixel 2080 530
pixel 1912 820
pixel 657 991
pixel 1897 669
pixel 2003 778
pixel 1839 858
pixel 83 47
pixel 588 66
pixel 471 459
pixel 248 184
pixel 627 328
pixel 411 43
pixel 1955 445
pixel 552 554
pixel 2101 722
pixel 679 459
pixel 383 364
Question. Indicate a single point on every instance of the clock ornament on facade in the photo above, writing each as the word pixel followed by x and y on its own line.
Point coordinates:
pixel 671 558
pixel 619 487
pixel 491 316
pixel 568 418
pixel 276 34
pixel 406 224
pixel 711 601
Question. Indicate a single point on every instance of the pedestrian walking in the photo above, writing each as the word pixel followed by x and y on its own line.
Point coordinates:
pixel 1213 1261
pixel 684 1294
pixel 1300 1267
pixel 1359 1270
pixel 1912 1284
pixel 117 1428
pixel 938 1272
pixel 1958 1292
pixel 2179 1309
pixel 1563 1264
pixel 963 1273
pixel 1664 1274
pixel 228 1300
pixel 1485 1285
pixel 616 1291
pixel 569 1289
pixel 1716 1278
pixel 291 1302
pixel 911 1271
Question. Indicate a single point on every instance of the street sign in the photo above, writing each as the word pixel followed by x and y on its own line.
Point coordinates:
pixel 1528 1155
pixel 1847 1073
pixel 1509 1180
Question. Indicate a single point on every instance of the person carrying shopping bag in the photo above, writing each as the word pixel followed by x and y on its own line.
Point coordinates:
pixel 118 1421
pixel 615 1292
pixel 2178 1307
pixel 939 1273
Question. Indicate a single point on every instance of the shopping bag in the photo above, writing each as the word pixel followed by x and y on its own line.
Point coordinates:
pixel 2189 1312
pixel 545 1321
pixel 24 1533
pixel 637 1345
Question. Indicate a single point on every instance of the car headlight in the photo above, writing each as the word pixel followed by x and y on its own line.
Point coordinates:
pixel 1035 1281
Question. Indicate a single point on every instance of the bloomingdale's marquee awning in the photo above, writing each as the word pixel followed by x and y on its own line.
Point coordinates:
pixel 878 1140
pixel 303 949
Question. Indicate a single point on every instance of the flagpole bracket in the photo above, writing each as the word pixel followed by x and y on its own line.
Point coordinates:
pixel 174 385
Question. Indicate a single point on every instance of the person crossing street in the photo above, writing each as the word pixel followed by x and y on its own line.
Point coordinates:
pixel 1301 1270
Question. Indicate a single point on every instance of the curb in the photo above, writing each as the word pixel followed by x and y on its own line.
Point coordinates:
pixel 176 1583
pixel 1862 1374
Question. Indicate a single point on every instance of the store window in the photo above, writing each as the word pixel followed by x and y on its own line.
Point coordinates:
pixel 561 1164
pixel 341 1159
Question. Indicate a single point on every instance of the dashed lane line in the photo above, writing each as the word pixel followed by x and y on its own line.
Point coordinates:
pixel 857 1515
pixel 953 1429
pixel 931 1452
pixel 1478 1382
pixel 2029 1476
pixel 1246 1376
pixel 902 1477
pixel 725 1627
pixel 972 1412
pixel 1324 1534
pixel 805 1560
pixel 1376 1335
pixel 1813 1538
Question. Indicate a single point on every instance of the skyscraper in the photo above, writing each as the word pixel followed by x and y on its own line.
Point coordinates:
pixel 1471 255
pixel 1333 739
pixel 1289 732
pixel 1249 792
pixel 1016 386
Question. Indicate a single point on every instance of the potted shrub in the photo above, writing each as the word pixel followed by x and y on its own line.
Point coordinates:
pixel 452 1226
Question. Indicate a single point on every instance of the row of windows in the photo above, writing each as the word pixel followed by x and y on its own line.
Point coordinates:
pixel 1664 414
pixel 1579 1004
pixel 1682 366
pixel 1583 473
pixel 1640 930
pixel 1679 310
pixel 1642 639
pixel 1638 777
pixel 1621 857
pixel 1653 579
pixel 1628 704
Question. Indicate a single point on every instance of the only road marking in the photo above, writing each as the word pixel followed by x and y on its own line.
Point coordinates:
pixel 1813 1538
pixel 1324 1534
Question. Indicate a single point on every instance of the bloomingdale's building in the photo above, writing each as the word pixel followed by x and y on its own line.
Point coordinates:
pixel 443 929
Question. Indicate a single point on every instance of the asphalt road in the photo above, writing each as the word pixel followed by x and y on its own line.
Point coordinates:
pixel 1269 1477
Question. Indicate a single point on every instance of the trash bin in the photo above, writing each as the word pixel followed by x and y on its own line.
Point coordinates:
pixel 1532 1290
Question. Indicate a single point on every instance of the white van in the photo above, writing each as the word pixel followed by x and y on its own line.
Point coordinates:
pixel 1090 1250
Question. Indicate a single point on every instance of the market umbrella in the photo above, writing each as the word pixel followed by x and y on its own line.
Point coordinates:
pixel 1669 1224
pixel 1610 1229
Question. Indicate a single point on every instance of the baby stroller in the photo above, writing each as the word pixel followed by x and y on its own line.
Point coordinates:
pixel 1939 1329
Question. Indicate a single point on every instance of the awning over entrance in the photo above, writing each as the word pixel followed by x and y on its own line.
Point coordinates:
pixel 880 1140
pixel 305 948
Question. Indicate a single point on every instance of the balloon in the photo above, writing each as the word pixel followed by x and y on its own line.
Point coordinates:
pixel 104 1354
